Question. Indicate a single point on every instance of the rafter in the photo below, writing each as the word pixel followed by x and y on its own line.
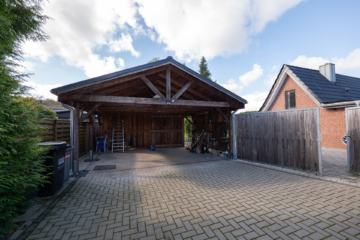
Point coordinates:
pixel 152 87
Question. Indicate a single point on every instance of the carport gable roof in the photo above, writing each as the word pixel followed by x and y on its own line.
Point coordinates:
pixel 138 69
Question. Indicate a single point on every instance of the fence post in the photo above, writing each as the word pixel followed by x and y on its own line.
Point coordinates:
pixel 234 140
pixel 55 130
pixel 319 134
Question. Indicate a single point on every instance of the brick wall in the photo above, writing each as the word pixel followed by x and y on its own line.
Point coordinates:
pixel 332 122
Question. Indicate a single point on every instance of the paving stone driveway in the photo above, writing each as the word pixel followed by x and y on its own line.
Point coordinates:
pixel 207 200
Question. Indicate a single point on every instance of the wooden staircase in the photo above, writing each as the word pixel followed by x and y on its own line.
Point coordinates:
pixel 118 140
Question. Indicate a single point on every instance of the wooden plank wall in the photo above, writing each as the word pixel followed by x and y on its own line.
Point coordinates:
pixel 138 125
pixel 353 142
pixel 83 139
pixel 145 129
pixel 167 130
pixel 284 138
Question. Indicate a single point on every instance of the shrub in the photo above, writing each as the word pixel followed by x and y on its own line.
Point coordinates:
pixel 21 159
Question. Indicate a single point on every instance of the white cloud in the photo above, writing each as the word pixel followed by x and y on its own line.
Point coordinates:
pixel 270 79
pixel 274 68
pixel 255 101
pixel 233 86
pixel 252 75
pixel 123 44
pixel 244 80
pixel 209 28
pixel 309 62
pixel 80 27
pixel 351 62
pixel 42 90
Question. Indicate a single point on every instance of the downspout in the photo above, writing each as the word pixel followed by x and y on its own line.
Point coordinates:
pixel 71 135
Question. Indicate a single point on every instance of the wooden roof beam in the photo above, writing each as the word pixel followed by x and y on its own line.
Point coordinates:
pixel 222 114
pixel 175 88
pixel 124 86
pixel 201 84
pixel 90 112
pixel 114 81
pixel 168 85
pixel 151 101
pixel 174 81
pixel 181 91
pixel 163 89
pixel 152 87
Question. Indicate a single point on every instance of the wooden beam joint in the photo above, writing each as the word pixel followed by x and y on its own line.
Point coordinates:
pixel 90 112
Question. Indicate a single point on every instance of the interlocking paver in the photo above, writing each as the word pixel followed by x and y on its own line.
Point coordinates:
pixel 203 200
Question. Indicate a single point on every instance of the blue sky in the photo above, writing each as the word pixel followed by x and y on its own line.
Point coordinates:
pixel 246 42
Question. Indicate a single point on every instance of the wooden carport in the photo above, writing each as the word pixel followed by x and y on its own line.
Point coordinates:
pixel 152 100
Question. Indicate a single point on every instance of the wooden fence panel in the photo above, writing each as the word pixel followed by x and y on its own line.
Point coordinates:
pixel 353 139
pixel 59 130
pixel 289 138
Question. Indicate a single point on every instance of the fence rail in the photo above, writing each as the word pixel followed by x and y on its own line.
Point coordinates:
pixel 288 138
pixel 59 130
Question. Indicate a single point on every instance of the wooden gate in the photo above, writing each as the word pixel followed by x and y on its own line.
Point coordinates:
pixel 288 138
pixel 167 130
pixel 353 139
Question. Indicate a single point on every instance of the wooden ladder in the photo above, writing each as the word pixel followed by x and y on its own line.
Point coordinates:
pixel 118 140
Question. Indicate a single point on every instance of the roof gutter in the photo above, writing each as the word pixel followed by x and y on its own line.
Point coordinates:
pixel 341 104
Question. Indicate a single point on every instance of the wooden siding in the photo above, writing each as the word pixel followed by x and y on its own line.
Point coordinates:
pixel 167 131
pixel 143 129
pixel 284 138
pixel 353 141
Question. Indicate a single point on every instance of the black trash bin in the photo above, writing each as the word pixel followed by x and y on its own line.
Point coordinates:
pixel 56 160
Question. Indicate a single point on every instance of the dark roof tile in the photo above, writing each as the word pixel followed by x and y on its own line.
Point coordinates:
pixel 326 91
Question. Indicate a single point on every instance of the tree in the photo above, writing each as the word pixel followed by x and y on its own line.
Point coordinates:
pixel 203 68
pixel 187 127
pixel 21 159
pixel 154 59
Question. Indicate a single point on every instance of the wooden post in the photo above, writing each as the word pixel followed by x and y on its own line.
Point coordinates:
pixel 168 85
pixel 230 134
pixel 55 130
pixel 91 132
pixel 182 132
pixel 76 117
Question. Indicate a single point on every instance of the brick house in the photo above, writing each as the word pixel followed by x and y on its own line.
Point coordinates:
pixel 297 87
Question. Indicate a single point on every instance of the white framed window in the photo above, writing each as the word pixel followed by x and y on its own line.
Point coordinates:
pixel 290 99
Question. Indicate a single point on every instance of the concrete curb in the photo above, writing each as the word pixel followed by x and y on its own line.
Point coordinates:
pixel 300 173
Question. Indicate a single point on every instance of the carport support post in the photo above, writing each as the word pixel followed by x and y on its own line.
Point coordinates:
pixel 76 118
pixel 234 140
pixel 91 134
pixel 230 134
